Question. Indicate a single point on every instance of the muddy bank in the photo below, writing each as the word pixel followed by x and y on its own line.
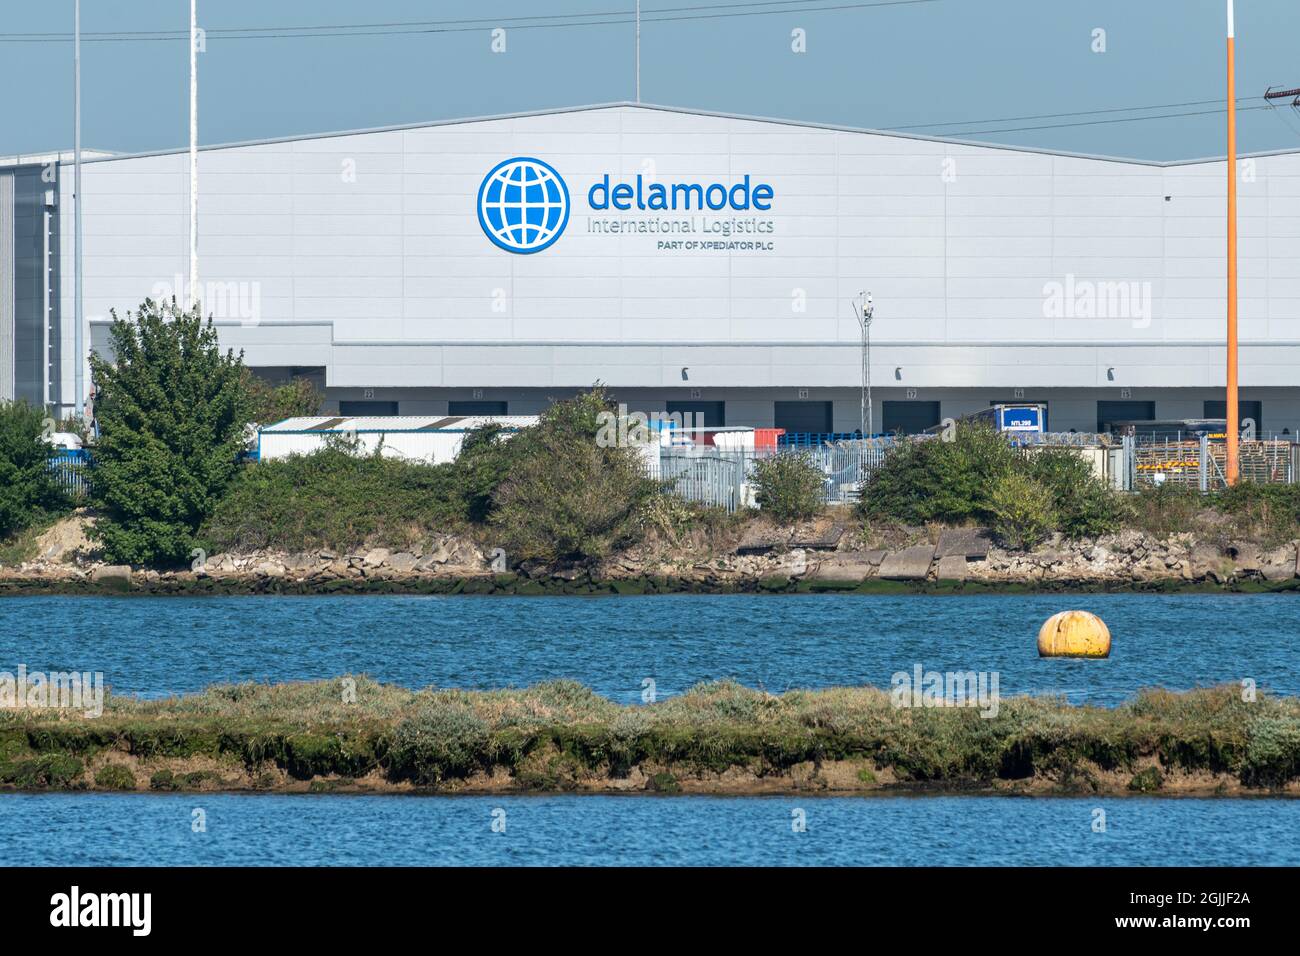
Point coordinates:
pixel 353 735
pixel 549 774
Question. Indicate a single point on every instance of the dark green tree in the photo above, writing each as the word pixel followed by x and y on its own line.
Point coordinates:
pixel 27 489
pixel 171 410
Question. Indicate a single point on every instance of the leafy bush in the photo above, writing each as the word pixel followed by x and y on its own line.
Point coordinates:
pixel 562 495
pixel 789 487
pixel 483 463
pixel 547 492
pixel 445 739
pixel 565 499
pixel 1162 510
pixel 1085 506
pixel 965 480
pixel 27 489
pixel 269 403
pixel 1269 513
pixel 669 515
pixel 1022 510
pixel 1273 751
pixel 171 410
pixel 331 499
pixel 115 776
pixel 929 479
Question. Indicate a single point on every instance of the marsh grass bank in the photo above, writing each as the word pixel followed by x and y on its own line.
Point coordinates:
pixel 716 738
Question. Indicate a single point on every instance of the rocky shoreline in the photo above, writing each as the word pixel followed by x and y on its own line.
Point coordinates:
pixel 813 559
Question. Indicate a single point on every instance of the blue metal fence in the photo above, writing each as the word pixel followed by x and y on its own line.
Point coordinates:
pixel 815 439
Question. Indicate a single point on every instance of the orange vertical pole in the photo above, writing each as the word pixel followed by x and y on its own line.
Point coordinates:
pixel 1232 410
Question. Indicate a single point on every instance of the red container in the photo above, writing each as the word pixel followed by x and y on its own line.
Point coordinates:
pixel 765 438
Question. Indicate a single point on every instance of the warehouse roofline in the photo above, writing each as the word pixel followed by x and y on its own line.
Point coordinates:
pixel 830 127
pixel 103 323
pixel 52 155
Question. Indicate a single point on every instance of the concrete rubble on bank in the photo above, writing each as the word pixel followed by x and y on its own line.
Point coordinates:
pixel 765 558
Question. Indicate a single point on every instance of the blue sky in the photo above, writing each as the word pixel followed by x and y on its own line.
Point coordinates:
pixel 935 65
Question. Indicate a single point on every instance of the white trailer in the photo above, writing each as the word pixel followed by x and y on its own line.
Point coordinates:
pixel 429 438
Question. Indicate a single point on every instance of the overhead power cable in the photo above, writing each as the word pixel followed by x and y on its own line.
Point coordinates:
pixel 541 21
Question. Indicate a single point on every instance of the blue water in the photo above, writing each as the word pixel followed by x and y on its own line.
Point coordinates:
pixel 155 647
pixel 139 829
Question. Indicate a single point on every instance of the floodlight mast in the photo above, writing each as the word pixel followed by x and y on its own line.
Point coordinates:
pixel 864 310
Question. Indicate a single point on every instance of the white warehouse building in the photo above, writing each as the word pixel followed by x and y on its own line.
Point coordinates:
pixel 691 261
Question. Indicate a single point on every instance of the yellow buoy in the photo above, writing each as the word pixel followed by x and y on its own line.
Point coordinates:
pixel 1074 634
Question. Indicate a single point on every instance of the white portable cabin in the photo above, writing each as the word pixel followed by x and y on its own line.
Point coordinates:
pixel 434 439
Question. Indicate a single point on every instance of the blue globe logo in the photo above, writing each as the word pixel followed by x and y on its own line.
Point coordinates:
pixel 523 205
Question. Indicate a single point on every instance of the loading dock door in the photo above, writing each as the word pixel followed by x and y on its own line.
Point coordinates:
pixel 1252 410
pixel 812 417
pixel 366 409
pixel 708 414
pixel 476 408
pixel 1108 412
pixel 909 418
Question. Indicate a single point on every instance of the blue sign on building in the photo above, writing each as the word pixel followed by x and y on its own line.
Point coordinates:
pixel 523 205
pixel 1021 418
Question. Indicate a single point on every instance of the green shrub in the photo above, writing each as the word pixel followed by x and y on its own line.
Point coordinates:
pixel 1162 510
pixel 445 739
pixel 548 492
pixel 115 776
pixel 269 403
pixel 163 780
pixel 569 500
pixel 331 499
pixel 1085 506
pixel 789 487
pixel 934 479
pixel 57 771
pixel 1269 513
pixel 1147 781
pixel 27 489
pixel 171 410
pixel 483 463
pixel 672 517
pixel 1273 750
pixel 1022 510
pixel 965 480
pixel 563 495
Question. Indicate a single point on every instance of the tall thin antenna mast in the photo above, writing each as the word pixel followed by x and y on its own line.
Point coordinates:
pixel 79 345
pixel 1233 421
pixel 194 154
pixel 638 51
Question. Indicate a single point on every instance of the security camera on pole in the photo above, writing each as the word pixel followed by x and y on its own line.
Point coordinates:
pixel 864 309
